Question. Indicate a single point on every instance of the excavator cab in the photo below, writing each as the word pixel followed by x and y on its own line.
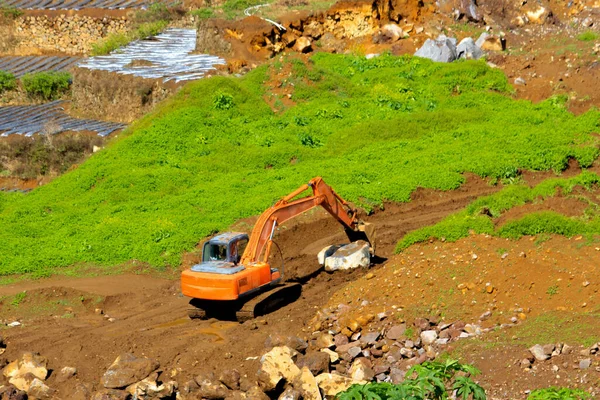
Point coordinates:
pixel 227 247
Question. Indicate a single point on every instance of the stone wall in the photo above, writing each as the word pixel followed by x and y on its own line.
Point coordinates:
pixel 70 34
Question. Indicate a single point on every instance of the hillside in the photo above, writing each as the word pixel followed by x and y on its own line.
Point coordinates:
pixel 374 129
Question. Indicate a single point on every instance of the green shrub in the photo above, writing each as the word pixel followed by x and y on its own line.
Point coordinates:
pixel 430 380
pixel 46 85
pixel 7 81
pixel 588 36
pixel 554 393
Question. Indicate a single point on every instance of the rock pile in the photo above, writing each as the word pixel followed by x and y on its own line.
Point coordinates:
pixel 444 49
pixel 73 34
pixel 550 352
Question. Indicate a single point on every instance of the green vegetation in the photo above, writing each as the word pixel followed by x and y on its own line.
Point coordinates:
pixel 552 290
pixel 374 129
pixel 554 393
pixel 46 85
pixel 7 81
pixel 203 13
pixel 18 298
pixel 146 23
pixel 430 380
pixel 478 215
pixel 9 12
pixel 588 36
pixel 116 40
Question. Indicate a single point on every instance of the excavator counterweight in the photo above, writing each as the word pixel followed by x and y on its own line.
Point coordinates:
pixel 234 279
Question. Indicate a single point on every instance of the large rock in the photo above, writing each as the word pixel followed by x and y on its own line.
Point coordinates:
pixel 539 353
pixel 468 49
pixel 28 363
pixel 396 332
pixel 211 389
pixel 293 342
pixel 306 384
pixel 326 252
pixel 65 373
pixel 489 42
pixel 332 384
pixel 39 390
pixel 361 370
pixel 149 389
pixel 302 45
pixel 316 362
pixel 276 365
pixel 290 394
pixel 127 369
pixel 12 393
pixel 23 382
pixel 442 49
pixel 350 256
pixel 255 393
pixel 111 394
pixel 230 378
pixel 393 32
pixel 428 337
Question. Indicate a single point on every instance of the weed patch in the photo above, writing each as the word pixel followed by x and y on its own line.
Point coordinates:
pixel 476 216
pixel 588 36
pixel 192 168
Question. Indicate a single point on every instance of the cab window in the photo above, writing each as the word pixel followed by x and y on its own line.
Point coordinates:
pixel 214 252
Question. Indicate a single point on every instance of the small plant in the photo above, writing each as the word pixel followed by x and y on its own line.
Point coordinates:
pixel 203 13
pixel 19 297
pixel 552 290
pixel 7 81
pixel 588 36
pixel 554 393
pixel 223 101
pixel 46 85
pixel 9 12
pixel 430 380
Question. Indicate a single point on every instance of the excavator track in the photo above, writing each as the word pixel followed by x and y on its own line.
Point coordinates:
pixel 269 301
pixel 246 309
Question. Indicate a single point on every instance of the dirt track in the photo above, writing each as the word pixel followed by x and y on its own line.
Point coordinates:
pixel 60 322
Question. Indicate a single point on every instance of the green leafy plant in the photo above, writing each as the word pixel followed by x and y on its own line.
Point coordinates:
pixel 552 290
pixel 7 81
pixel 223 101
pixel 555 393
pixel 46 85
pixel 430 380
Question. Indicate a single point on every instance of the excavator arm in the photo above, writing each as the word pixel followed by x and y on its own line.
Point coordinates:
pixel 286 208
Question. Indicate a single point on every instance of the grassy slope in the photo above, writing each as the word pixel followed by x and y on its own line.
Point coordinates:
pixel 374 129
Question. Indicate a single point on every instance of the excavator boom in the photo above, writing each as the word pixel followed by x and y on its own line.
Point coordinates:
pixel 286 208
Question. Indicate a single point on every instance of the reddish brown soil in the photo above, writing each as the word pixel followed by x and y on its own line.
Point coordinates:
pixel 553 283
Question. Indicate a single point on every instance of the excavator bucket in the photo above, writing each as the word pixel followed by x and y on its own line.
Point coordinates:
pixel 366 231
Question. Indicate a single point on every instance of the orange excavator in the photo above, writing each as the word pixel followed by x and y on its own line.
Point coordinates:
pixel 236 281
